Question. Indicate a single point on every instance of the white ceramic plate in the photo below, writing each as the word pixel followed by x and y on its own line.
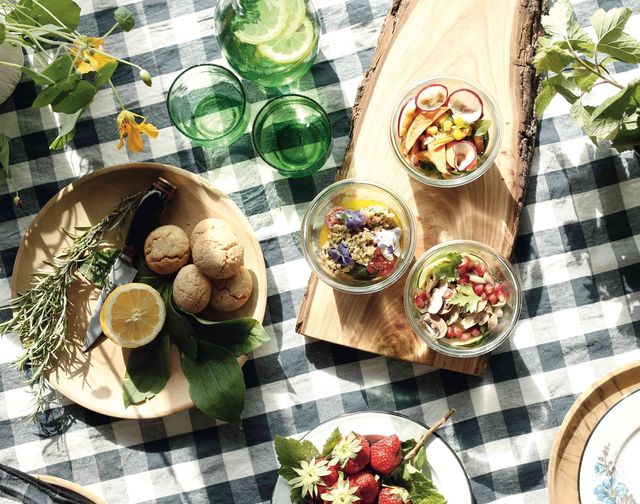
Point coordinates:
pixel 447 472
pixel 609 465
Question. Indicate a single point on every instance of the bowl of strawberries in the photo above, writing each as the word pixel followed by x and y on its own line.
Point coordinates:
pixel 372 457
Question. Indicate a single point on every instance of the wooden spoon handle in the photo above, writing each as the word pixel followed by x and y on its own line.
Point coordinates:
pixel 427 434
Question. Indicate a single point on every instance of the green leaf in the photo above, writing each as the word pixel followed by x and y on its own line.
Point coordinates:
pixel 179 327
pixel 59 69
pixel 544 97
pixel 331 442
pixel 124 18
pixel 240 336
pixel 64 12
pixel 607 117
pixel 551 58
pixel 104 74
pixel 561 23
pixel 448 270
pixel 146 275
pixel 609 25
pixel 4 151
pixel 3 33
pixel 482 127
pixel 423 491
pixel 76 100
pixel 46 96
pixel 216 383
pixel 465 298
pixel 95 268
pixel 583 78
pixel 624 48
pixel 148 369
pixel 37 78
pixel 67 130
pixel 629 134
pixel 291 452
pixel 580 114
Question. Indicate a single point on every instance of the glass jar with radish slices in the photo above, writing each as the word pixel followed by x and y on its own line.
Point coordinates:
pixel 446 132
pixel 462 298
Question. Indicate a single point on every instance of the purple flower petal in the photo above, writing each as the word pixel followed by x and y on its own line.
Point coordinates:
pixel 354 219
pixel 340 255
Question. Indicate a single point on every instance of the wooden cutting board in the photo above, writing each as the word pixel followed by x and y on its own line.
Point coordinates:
pixel 491 44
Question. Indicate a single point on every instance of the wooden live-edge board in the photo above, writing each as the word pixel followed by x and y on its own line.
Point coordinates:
pixel 488 43
pixel 579 423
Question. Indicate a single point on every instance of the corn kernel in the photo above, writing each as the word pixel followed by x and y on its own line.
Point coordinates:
pixel 466 130
pixel 458 134
pixel 458 121
pixel 432 130
pixel 447 125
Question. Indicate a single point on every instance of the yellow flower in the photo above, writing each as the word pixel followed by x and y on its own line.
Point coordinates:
pixel 89 60
pixel 132 130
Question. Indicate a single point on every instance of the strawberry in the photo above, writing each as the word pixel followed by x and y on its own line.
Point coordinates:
pixel 368 486
pixel 394 495
pixel 386 454
pixel 351 453
pixel 330 479
pixel 342 492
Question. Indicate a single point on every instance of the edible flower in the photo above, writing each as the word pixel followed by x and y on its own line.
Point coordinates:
pixel 341 493
pixel 341 255
pixel 310 476
pixel 386 240
pixel 132 130
pixel 87 60
pixel 354 219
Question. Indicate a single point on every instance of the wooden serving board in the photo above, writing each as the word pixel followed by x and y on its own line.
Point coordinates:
pixel 94 379
pixel 488 43
pixel 579 423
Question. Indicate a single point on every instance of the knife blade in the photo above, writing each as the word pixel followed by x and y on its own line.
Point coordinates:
pixel 122 272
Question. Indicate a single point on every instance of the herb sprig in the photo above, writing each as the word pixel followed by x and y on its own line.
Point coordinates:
pixel 40 314
pixel 573 63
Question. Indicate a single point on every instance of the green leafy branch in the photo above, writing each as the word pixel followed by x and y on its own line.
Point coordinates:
pixel 573 63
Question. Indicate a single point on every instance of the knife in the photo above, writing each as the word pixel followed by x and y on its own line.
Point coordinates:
pixel 122 272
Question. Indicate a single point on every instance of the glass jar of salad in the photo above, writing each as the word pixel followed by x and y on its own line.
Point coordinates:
pixel 358 236
pixel 462 298
pixel 270 42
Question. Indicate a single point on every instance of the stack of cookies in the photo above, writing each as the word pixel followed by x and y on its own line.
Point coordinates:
pixel 217 277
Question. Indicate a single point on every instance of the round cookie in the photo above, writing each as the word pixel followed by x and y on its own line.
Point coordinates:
pixel 191 289
pixel 166 249
pixel 231 293
pixel 211 224
pixel 218 254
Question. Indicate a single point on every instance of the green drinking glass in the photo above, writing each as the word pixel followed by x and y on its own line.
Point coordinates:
pixel 208 105
pixel 292 133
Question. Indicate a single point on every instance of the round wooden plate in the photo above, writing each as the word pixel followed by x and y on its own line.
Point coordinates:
pixel 94 379
pixel 582 418
pixel 70 485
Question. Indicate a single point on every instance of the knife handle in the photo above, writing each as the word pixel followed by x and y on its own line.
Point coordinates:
pixel 144 219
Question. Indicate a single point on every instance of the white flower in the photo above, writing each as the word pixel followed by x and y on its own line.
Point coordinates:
pixel 386 240
pixel 310 476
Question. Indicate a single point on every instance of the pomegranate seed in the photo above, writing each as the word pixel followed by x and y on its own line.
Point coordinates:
pixel 457 331
pixel 467 262
pixel 478 289
pixel 480 269
pixel 465 336
pixel 464 279
pixel 493 299
pixel 474 331
pixel 488 288
pixel 420 298
pixel 450 333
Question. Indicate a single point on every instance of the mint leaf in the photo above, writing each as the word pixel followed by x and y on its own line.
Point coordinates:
pixel 216 382
pixel 607 117
pixel 124 18
pixel 609 25
pixel 331 442
pixel 448 270
pixel 95 268
pixel 291 452
pixel 624 48
pixel 147 371
pixel 465 298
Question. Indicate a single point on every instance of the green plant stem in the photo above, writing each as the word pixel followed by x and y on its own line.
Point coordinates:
pixel 110 31
pixel 117 95
pixel 583 64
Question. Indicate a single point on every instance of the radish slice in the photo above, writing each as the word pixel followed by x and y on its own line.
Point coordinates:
pixel 464 156
pixel 466 104
pixel 431 97
pixel 406 117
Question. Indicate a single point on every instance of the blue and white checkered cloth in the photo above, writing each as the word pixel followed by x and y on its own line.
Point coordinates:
pixel 577 252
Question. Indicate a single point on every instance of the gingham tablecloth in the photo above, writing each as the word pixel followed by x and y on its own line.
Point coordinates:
pixel 577 253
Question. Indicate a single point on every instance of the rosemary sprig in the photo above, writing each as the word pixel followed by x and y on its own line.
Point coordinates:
pixel 40 314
